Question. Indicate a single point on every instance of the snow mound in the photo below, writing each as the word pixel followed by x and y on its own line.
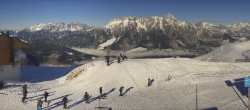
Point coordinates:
pixel 77 71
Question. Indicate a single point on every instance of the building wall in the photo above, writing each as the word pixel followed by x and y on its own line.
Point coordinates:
pixel 8 47
pixel 5 50
pixel 19 56
pixel 9 72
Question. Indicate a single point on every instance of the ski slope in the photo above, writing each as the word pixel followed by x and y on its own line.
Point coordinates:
pixel 178 93
pixel 107 43
pixel 227 52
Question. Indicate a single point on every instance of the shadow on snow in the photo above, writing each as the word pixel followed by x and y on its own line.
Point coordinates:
pixel 36 74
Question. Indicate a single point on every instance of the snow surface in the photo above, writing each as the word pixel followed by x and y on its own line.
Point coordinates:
pixel 179 93
pixel 107 43
pixel 137 52
pixel 138 49
pixel 227 52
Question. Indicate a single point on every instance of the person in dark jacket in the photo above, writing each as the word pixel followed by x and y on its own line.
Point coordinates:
pixel 120 90
pixel 25 87
pixel 46 94
pixel 107 60
pixel 86 97
pixel 149 81
pixel 118 59
pixel 24 95
pixel 123 57
pixel 24 91
pixel 65 101
pixel 100 89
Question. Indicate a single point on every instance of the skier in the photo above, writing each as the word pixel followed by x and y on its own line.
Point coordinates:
pixel 86 97
pixel 100 89
pixel 118 59
pixel 24 95
pixel 25 87
pixel 149 81
pixel 65 101
pixel 107 60
pixel 123 57
pixel 46 94
pixel 39 104
pixel 120 55
pixel 121 88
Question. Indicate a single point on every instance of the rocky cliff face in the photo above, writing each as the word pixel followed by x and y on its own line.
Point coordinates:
pixel 168 32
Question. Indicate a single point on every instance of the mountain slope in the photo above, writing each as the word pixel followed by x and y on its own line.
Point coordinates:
pixel 168 32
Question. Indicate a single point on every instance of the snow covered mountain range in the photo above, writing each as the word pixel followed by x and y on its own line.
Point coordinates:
pixel 176 33
pixel 168 32
pixel 146 23
pixel 54 27
pixel 169 20
pixel 127 33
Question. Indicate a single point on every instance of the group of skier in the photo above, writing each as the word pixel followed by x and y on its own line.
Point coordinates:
pixel 46 94
pixel 120 57
pixel 86 96
pixel 65 99
pixel 40 102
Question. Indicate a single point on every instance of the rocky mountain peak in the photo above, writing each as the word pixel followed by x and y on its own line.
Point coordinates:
pixel 170 16
pixel 204 25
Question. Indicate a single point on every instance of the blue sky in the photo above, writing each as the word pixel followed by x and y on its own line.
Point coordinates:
pixel 19 14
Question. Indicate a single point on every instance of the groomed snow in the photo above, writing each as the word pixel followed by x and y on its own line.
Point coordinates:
pixel 179 93
pixel 227 52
